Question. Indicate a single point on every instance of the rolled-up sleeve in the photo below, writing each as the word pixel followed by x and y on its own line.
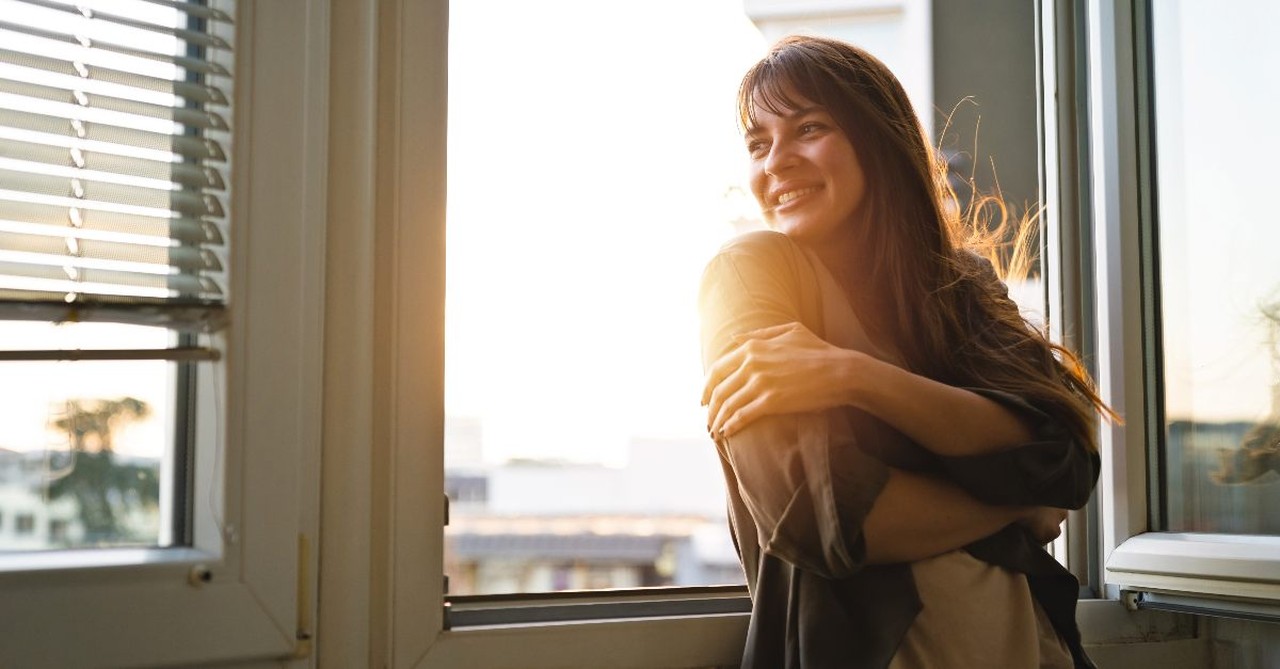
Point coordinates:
pixel 1053 469
pixel 802 478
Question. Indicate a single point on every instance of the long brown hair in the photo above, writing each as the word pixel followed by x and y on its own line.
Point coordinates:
pixel 916 247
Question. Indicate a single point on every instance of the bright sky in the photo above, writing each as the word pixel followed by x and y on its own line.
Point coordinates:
pixel 587 175
pixel 1220 238
pixel 31 393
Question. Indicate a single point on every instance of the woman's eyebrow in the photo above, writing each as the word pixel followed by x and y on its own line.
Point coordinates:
pixel 805 111
pixel 789 115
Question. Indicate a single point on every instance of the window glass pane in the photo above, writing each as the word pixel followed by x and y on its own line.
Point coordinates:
pixel 1219 277
pixel 87 456
pixel 592 173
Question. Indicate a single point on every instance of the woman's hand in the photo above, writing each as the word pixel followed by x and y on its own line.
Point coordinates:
pixel 1044 522
pixel 780 369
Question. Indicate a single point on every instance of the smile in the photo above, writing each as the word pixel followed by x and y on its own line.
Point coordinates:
pixel 793 194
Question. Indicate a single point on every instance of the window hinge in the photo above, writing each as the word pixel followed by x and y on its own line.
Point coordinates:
pixel 302 645
pixel 446 509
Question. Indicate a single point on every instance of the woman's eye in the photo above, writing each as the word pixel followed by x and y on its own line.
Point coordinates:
pixel 755 147
pixel 810 128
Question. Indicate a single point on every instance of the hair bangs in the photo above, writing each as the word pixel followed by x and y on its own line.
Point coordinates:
pixel 774 85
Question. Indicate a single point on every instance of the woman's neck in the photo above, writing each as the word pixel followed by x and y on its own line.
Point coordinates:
pixel 842 255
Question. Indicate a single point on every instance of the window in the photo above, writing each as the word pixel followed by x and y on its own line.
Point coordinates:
pixel 113 124
pixel 573 363
pixel 405 402
pixel 174 372
pixel 1185 304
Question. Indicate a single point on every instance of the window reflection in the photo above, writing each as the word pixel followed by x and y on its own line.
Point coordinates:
pixel 1218 271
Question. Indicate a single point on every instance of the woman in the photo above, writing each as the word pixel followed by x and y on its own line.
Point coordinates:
pixel 897 441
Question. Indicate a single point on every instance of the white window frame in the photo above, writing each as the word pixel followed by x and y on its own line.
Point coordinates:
pixel 1224 574
pixel 383 510
pixel 242 590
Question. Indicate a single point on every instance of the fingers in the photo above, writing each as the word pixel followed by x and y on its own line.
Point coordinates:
pixel 730 396
pixel 721 369
pixel 746 415
pixel 731 391
pixel 734 358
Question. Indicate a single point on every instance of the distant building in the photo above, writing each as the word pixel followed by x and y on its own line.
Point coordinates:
pixel 28 519
pixel 533 526
pixel 31 519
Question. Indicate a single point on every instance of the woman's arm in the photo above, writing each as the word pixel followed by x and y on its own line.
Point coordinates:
pixel 787 368
pixel 917 516
pixel 947 420
pixel 983 437
pixel 818 501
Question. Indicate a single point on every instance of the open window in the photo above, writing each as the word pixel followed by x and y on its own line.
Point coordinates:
pixel 1191 164
pixel 159 358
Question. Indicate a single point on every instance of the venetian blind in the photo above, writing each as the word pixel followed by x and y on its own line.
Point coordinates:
pixel 113 161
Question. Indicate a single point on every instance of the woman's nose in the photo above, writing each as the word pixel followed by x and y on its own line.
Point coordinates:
pixel 781 156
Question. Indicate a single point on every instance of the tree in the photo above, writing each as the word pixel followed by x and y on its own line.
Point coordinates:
pixel 103 489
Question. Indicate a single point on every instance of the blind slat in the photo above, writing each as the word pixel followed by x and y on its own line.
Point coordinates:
pixel 105 282
pixel 107 195
pixel 184 315
pixel 105 138
pixel 182 260
pixel 74 76
pixel 80 42
pixel 73 14
pixel 148 114
pixel 102 224
pixel 192 9
pixel 116 169
pixel 52 251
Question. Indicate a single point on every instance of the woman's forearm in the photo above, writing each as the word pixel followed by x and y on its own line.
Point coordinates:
pixel 917 516
pixel 945 419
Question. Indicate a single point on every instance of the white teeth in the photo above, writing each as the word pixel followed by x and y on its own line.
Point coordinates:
pixel 793 194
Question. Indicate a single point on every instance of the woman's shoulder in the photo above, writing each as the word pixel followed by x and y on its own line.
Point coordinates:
pixel 761 256
pixel 761 243
pixel 760 250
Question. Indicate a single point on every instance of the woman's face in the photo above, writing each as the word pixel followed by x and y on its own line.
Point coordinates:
pixel 804 172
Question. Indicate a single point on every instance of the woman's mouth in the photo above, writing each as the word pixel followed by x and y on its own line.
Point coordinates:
pixel 791 195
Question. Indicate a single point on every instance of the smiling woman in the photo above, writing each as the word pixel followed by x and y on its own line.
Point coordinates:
pixel 898 443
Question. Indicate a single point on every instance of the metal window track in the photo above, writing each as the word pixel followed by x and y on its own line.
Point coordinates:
pixel 179 354
pixel 555 607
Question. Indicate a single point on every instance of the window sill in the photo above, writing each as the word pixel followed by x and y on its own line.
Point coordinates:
pixel 1232 567
pixel 61 562
pixel 674 641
